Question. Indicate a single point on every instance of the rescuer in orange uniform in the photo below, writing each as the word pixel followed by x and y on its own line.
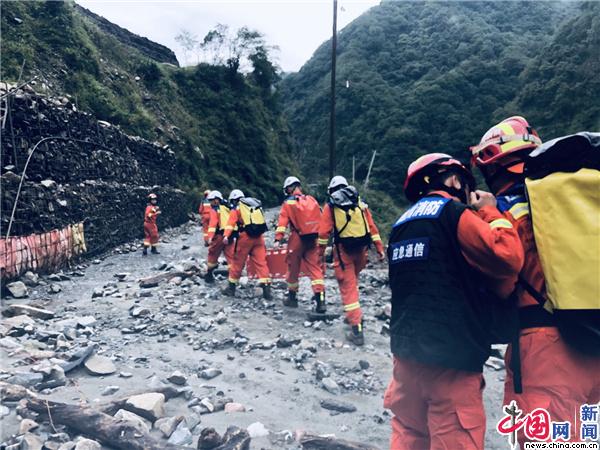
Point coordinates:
pixel 552 375
pixel 150 227
pixel 219 215
pixel 440 252
pixel 250 222
pixel 204 211
pixel 354 230
pixel 302 214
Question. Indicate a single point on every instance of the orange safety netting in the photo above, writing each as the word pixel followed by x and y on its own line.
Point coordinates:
pixel 45 252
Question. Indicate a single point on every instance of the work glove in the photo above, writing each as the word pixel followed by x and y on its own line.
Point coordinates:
pixel 381 255
pixel 206 243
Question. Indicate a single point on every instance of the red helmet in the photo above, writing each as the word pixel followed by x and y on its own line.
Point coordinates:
pixel 506 138
pixel 418 174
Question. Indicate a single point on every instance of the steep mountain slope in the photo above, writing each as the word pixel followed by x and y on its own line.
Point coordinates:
pixel 224 126
pixel 561 86
pixel 422 76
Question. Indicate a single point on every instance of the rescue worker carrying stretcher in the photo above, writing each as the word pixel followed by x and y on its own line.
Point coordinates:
pixel 249 218
pixel 543 369
pixel 204 211
pixel 440 253
pixel 150 228
pixel 302 214
pixel 353 231
pixel 219 215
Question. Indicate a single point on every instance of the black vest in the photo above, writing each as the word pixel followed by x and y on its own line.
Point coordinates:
pixel 436 317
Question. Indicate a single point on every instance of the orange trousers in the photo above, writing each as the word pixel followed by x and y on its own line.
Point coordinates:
pixel 435 408
pixel 555 377
pixel 298 251
pixel 253 247
pixel 150 234
pixel 205 221
pixel 217 247
pixel 346 273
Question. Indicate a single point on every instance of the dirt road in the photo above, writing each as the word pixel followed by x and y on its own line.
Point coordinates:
pixel 271 360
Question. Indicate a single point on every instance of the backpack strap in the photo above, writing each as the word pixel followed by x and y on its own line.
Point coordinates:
pixel 532 291
pixel 336 240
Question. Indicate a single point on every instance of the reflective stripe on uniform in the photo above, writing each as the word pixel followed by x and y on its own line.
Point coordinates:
pixel 352 306
pixel 519 210
pixel 501 223
pixel 212 265
pixel 212 229
pixel 291 202
pixel 229 227
pixel 323 241
pixel 376 238
pixel 292 286
pixel 233 280
pixel 280 230
pixel 264 280
pixel 317 282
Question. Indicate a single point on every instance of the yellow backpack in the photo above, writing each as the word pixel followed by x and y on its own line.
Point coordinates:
pixel 350 226
pixel 224 212
pixel 563 189
pixel 253 216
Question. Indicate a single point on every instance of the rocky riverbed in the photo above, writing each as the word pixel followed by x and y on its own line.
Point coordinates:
pixel 93 336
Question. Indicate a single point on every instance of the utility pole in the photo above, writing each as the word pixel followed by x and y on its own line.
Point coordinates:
pixel 369 171
pixel 332 112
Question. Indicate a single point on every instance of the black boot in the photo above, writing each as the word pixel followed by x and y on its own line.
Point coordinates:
pixel 154 251
pixel 356 335
pixel 209 277
pixel 229 291
pixel 320 306
pixel 267 292
pixel 291 300
pixel 145 251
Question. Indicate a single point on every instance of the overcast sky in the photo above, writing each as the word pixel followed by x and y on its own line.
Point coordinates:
pixel 297 27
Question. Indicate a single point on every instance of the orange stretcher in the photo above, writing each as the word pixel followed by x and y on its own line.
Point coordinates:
pixel 276 260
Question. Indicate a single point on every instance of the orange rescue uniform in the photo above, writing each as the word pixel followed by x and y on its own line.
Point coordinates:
pixel 214 236
pixel 439 408
pixel 299 248
pixel 347 265
pixel 150 227
pixel 554 376
pixel 204 211
pixel 246 246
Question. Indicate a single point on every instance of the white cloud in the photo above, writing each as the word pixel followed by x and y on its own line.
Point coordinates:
pixel 296 27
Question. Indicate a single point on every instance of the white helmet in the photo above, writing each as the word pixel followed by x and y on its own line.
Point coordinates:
pixel 290 181
pixel 213 195
pixel 236 194
pixel 337 182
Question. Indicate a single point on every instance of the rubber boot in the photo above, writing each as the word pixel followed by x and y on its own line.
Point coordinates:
pixel 229 291
pixel 291 300
pixel 266 288
pixel 320 305
pixel 209 277
pixel 356 335
pixel 154 251
pixel 145 251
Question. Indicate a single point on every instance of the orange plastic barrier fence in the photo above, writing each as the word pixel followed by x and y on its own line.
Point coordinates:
pixel 45 252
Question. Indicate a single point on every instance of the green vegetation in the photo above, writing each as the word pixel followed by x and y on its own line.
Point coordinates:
pixel 225 126
pixel 434 76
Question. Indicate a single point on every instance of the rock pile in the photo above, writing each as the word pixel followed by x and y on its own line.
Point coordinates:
pixel 90 172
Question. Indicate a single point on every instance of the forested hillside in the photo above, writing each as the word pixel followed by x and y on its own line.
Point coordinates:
pixel 416 77
pixel 561 87
pixel 224 126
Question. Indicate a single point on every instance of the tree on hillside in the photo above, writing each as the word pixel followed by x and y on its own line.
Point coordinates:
pixel 188 42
